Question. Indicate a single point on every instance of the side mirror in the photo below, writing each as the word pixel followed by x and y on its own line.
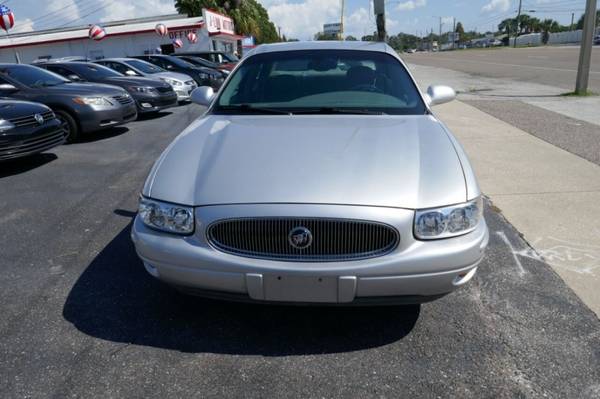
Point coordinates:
pixel 437 95
pixel 129 72
pixel 8 88
pixel 203 95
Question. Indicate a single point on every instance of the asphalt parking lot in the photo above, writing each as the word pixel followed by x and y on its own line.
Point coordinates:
pixel 81 317
pixel 549 65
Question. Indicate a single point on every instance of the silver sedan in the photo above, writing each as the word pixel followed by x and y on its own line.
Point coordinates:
pixel 318 174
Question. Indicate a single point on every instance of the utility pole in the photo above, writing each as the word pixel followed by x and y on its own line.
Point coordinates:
pixel 453 33
pixel 518 24
pixel 440 36
pixel 572 20
pixel 342 22
pixel 379 10
pixel 585 52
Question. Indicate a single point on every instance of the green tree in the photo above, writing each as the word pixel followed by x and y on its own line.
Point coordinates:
pixel 461 32
pixel 350 38
pixel 249 17
pixel 581 19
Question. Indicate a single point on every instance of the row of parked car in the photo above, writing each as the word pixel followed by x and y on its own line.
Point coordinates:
pixel 53 101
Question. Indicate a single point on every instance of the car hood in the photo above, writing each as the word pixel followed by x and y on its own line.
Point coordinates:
pixel 389 161
pixel 135 81
pixel 173 75
pixel 11 108
pixel 82 89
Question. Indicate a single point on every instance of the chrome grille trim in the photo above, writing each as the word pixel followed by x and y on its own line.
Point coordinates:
pixel 334 240
pixel 30 119
pixel 124 100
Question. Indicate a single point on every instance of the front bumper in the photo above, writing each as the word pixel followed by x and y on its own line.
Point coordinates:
pixel 94 119
pixel 155 103
pixel 416 271
pixel 23 142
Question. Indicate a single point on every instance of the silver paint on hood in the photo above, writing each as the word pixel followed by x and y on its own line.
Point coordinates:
pixel 390 161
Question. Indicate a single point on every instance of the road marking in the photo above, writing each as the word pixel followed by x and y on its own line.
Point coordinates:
pixel 504 238
pixel 518 65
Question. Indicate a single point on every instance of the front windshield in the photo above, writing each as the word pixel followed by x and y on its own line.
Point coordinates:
pixel 201 62
pixel 144 67
pixel 33 76
pixel 95 72
pixel 320 81
pixel 180 63
pixel 230 57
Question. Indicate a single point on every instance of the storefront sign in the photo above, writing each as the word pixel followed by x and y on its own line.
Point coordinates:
pixel 180 34
pixel 218 23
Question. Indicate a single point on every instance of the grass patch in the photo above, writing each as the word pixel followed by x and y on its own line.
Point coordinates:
pixel 575 94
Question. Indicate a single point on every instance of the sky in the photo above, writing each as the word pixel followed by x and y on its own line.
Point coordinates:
pixel 301 19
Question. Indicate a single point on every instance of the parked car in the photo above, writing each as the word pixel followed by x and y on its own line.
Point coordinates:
pixel 81 107
pixel 597 40
pixel 202 75
pixel 27 128
pixel 306 183
pixel 182 84
pixel 204 63
pixel 226 60
pixel 150 95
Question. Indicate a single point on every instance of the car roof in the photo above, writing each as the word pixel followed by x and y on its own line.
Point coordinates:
pixel 118 59
pixel 323 45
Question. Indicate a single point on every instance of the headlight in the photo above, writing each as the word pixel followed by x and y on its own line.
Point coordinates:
pixel 173 82
pixel 142 89
pixel 450 221
pixel 5 125
pixel 177 219
pixel 92 101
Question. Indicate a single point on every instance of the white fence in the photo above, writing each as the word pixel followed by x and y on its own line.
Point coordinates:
pixel 535 39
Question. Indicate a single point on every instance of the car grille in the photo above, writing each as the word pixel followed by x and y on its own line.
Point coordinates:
pixel 165 89
pixel 12 149
pixel 30 120
pixel 332 239
pixel 124 100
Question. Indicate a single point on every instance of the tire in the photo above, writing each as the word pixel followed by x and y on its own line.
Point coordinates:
pixel 69 124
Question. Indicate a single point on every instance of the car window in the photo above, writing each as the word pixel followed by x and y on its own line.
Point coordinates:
pixel 31 76
pixel 317 79
pixel 62 71
pixel 144 66
pixel 94 72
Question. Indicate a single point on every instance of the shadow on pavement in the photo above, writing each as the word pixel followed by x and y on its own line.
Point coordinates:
pixel 22 165
pixel 116 300
pixel 152 115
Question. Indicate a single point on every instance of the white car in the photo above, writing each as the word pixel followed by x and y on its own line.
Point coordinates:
pixel 318 174
pixel 182 84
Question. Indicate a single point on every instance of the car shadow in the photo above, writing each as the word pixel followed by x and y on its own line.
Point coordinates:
pixel 152 115
pixel 116 300
pixel 22 165
pixel 101 135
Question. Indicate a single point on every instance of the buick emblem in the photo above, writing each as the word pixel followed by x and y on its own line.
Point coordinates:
pixel 300 238
pixel 39 119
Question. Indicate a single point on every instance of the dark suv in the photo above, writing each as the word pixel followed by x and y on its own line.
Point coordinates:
pixel 81 107
pixel 27 128
pixel 202 75
pixel 150 95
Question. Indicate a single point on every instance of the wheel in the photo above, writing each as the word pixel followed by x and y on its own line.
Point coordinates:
pixel 68 123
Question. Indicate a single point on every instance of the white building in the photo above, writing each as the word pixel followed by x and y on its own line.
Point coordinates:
pixel 124 38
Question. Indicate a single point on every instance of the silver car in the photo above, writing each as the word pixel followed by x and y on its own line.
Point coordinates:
pixel 318 174
pixel 182 84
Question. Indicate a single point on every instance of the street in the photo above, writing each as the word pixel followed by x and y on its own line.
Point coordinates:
pixel 553 66
pixel 82 318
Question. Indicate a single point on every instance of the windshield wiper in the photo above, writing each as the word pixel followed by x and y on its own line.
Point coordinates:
pixel 247 108
pixel 336 110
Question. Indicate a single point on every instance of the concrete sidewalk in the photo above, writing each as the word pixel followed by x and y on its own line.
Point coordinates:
pixel 550 195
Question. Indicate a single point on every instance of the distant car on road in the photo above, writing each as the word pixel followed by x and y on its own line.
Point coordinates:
pixel 182 84
pixel 150 95
pixel 27 128
pixel 308 181
pixel 81 107
pixel 202 75
pixel 597 40
pixel 226 60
